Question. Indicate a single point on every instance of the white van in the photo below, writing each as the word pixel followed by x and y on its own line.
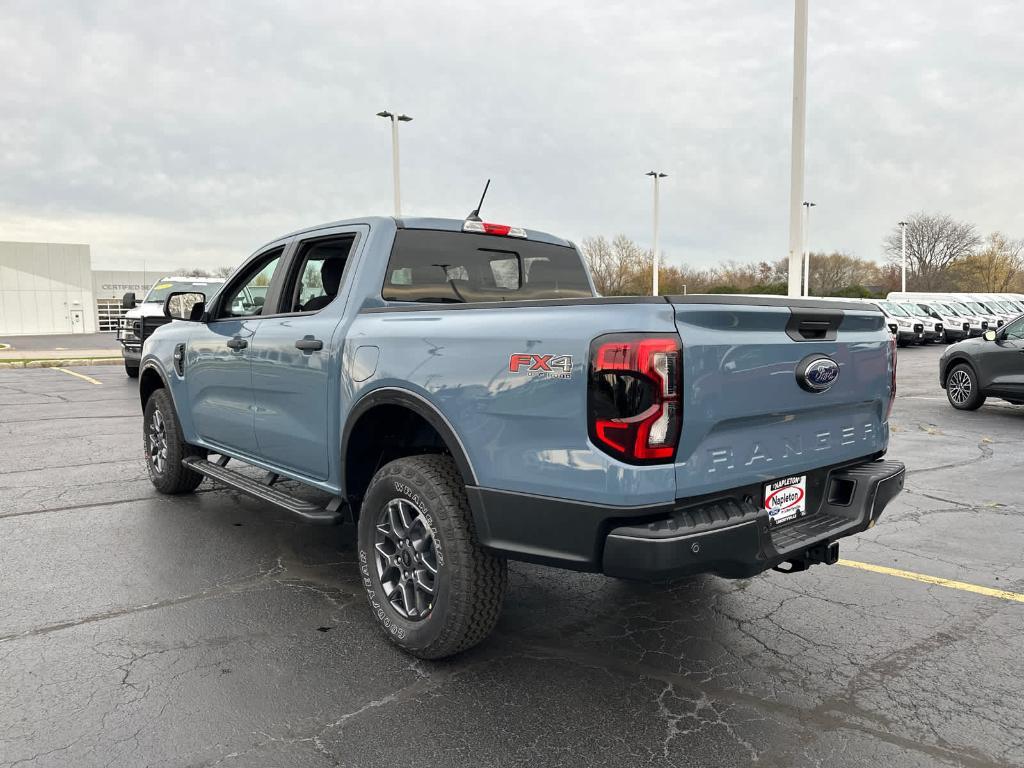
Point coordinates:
pixel 958 321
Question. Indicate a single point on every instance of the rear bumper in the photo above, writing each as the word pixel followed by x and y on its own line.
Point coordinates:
pixel 726 533
pixel 733 539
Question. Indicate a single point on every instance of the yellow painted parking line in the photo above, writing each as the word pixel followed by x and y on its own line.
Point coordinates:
pixel 5 346
pixel 936 580
pixel 82 376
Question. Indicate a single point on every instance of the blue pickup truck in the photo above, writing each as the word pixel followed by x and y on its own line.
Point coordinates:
pixel 457 389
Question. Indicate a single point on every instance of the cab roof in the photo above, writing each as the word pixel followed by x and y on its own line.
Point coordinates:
pixel 423 222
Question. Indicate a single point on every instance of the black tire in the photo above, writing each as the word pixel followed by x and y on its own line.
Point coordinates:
pixel 468 583
pixel 962 388
pixel 132 369
pixel 164 447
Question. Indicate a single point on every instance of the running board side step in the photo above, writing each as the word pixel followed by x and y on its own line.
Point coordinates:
pixel 308 511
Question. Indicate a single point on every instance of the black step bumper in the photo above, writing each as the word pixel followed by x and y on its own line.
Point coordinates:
pixel 730 536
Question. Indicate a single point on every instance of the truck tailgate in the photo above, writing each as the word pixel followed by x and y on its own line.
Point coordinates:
pixel 746 417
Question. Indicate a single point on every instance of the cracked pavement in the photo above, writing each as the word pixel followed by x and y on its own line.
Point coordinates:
pixel 210 630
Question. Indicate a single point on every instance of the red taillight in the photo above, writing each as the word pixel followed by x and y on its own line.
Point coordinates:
pixel 634 405
pixel 892 390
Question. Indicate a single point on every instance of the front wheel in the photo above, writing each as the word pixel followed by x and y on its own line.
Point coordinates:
pixel 962 389
pixel 165 448
pixel 432 588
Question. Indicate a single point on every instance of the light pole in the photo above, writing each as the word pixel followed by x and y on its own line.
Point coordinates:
pixel 796 183
pixel 657 176
pixel 806 249
pixel 903 249
pixel 395 120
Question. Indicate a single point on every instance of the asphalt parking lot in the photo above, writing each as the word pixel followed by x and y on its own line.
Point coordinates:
pixel 210 630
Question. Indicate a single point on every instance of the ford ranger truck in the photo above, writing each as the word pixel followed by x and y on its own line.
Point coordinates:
pixel 456 389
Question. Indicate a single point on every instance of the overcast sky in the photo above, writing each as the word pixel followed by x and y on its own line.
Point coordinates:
pixel 191 133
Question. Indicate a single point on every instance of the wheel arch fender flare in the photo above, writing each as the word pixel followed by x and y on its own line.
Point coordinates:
pixel 149 372
pixel 953 362
pixel 423 408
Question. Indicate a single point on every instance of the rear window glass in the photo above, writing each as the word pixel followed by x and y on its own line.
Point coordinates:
pixel 457 267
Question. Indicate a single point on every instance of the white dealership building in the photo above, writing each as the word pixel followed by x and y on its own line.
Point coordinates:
pixel 52 288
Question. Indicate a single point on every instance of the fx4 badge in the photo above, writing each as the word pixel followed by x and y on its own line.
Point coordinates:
pixel 545 366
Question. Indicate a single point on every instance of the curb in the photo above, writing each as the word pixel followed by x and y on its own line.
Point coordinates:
pixel 60 363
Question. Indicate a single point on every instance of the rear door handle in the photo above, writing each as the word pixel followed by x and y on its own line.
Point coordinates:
pixel 237 343
pixel 309 344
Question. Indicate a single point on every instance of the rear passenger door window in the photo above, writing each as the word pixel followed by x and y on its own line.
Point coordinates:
pixel 317 275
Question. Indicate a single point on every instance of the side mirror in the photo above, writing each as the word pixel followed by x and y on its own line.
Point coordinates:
pixel 128 300
pixel 185 305
pixel 990 335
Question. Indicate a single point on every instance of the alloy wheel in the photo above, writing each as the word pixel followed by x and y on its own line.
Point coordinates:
pixel 158 442
pixel 959 386
pixel 406 559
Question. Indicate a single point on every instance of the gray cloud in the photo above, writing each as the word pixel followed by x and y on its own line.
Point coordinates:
pixel 181 132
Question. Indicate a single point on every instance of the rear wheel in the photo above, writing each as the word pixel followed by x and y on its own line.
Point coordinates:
pixel 165 447
pixel 132 369
pixel 962 389
pixel 432 588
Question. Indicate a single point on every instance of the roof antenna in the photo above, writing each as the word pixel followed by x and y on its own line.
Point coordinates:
pixel 475 214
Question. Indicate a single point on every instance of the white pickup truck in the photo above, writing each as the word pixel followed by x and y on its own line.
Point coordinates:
pixel 133 328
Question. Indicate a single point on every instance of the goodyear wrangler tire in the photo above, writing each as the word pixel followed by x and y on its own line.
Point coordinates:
pixel 165 448
pixel 432 588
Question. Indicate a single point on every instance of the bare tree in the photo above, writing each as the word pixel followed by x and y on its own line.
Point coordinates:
pixel 191 272
pixel 935 242
pixel 993 269
pixel 223 271
pixel 619 267
pixel 835 274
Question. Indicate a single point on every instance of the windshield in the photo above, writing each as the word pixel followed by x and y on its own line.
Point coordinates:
pixel 914 310
pixel 159 292
pixel 976 308
pixel 961 310
pixel 946 309
pixel 1016 305
pixel 892 309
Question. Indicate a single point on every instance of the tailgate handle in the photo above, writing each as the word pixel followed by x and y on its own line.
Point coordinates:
pixel 813 324
pixel 813 329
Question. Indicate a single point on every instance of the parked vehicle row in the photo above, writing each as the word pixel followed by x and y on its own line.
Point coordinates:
pixel 921 318
pixel 464 397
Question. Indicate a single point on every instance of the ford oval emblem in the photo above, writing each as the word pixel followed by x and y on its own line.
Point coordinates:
pixel 817 373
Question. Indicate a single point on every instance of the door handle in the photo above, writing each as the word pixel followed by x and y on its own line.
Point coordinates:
pixel 237 343
pixel 309 344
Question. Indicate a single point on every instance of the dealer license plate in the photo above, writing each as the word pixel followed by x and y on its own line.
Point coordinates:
pixel 786 499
